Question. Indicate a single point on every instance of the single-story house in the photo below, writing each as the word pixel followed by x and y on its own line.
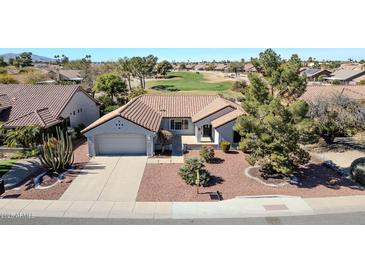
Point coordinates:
pixel 313 74
pixel 71 75
pixel 132 128
pixel 325 91
pixel 221 67
pixel 347 76
pixel 46 105
pixel 249 67
pixel 200 66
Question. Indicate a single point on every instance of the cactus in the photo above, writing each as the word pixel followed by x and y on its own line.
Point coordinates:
pixel 57 153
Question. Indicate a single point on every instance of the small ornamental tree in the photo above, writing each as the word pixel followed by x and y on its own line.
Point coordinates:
pixel 276 120
pixel 193 172
pixel 164 138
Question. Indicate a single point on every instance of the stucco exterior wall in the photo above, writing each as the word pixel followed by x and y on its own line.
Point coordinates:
pixel 120 125
pixel 81 110
pixel 207 121
pixel 165 124
pixel 225 132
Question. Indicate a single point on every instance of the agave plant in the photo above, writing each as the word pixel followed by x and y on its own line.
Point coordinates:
pixel 57 153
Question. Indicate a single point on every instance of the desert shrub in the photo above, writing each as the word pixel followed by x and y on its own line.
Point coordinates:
pixel 189 172
pixel 207 153
pixel 18 155
pixel 34 76
pixel 357 171
pixel 8 79
pixel 57 153
pixel 78 130
pixel 225 146
pixel 3 70
pixel 336 82
pixel 361 82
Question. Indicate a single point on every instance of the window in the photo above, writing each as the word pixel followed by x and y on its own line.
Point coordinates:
pixel 179 124
pixel 74 112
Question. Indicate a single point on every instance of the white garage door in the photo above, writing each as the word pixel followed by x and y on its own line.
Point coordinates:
pixel 120 144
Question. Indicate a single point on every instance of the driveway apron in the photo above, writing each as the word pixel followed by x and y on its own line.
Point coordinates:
pixel 108 179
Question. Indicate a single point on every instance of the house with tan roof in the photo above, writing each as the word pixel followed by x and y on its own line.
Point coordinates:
pixel 132 128
pixel 46 105
pixel 70 75
pixel 347 76
pixel 326 91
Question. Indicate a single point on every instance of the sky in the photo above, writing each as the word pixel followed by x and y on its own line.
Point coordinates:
pixel 192 54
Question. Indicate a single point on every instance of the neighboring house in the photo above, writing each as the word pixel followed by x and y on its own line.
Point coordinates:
pixel 132 128
pixel 315 92
pixel 46 106
pixel 347 76
pixel 221 67
pixel 351 66
pixel 190 66
pixel 70 75
pixel 313 74
pixel 200 66
pixel 249 68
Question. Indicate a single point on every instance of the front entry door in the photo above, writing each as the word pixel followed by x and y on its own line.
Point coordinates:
pixel 207 131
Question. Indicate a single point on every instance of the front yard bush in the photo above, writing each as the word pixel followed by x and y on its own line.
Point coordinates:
pixel 357 171
pixel 207 153
pixel 190 170
pixel 57 153
pixel 225 146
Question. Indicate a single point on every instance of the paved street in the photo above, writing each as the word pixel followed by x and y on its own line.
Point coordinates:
pixel 356 218
pixel 110 179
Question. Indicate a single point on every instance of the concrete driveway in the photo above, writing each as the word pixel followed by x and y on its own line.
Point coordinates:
pixel 114 179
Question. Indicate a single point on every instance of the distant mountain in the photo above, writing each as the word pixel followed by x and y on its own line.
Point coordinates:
pixel 35 58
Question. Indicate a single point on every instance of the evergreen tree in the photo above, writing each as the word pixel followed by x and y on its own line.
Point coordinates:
pixel 276 121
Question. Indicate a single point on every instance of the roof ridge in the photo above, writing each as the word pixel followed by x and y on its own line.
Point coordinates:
pixel 39 117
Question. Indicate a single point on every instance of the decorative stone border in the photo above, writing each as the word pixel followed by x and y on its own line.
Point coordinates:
pixel 60 178
pixel 293 179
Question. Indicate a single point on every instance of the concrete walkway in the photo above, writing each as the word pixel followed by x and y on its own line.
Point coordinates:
pixel 112 179
pixel 20 171
pixel 240 207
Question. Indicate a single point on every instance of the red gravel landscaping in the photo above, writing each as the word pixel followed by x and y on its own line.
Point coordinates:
pixel 27 191
pixel 160 182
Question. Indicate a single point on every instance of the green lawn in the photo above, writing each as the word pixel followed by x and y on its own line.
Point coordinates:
pixel 5 166
pixel 190 82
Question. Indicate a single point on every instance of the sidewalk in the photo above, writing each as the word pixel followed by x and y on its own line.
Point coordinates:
pixel 240 207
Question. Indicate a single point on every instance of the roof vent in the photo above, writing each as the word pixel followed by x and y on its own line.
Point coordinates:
pixel 161 108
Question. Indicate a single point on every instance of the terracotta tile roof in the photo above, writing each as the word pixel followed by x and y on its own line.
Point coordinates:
pixel 314 92
pixel 227 118
pixel 148 110
pixel 178 105
pixel 135 111
pixel 69 73
pixel 215 106
pixel 39 105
